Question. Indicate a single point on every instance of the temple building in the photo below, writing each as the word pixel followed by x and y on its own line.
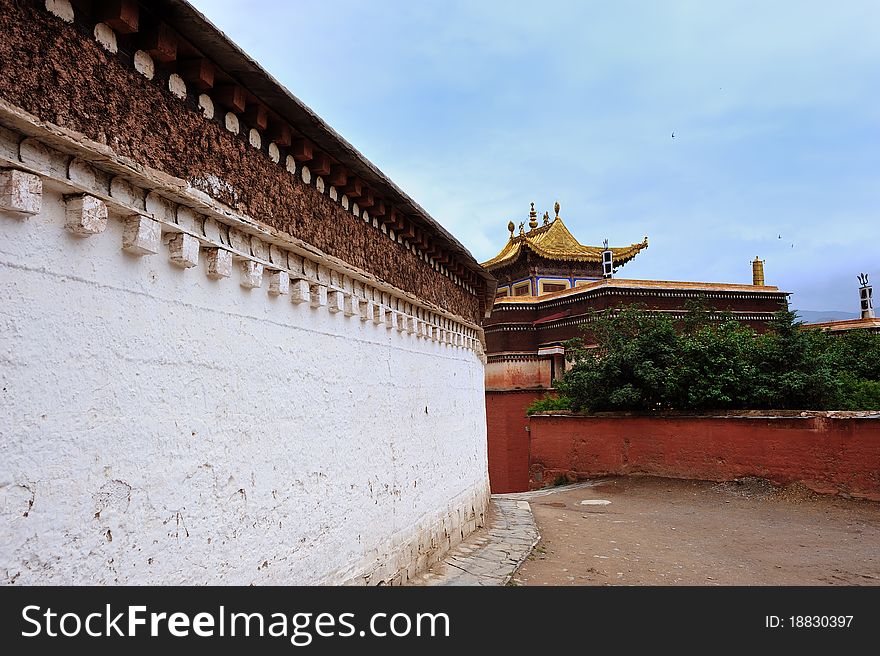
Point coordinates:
pixel 867 317
pixel 548 284
pixel 549 259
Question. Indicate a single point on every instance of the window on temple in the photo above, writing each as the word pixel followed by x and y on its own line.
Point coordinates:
pixel 552 287
pixel 502 293
pixel 524 289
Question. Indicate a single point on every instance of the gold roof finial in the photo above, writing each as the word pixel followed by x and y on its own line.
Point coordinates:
pixel 758 272
pixel 511 228
pixel 556 208
pixel 546 218
pixel 522 230
pixel 533 217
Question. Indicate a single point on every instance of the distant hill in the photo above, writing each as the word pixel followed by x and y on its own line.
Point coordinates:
pixel 819 316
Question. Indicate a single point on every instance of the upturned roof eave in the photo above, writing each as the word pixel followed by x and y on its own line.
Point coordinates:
pixel 503 259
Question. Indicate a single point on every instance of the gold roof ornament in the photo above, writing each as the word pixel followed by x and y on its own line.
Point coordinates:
pixel 511 228
pixel 556 208
pixel 554 242
pixel 522 230
pixel 533 218
pixel 546 218
pixel 758 272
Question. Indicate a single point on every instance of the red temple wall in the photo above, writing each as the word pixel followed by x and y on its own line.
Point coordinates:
pixel 825 453
pixel 508 439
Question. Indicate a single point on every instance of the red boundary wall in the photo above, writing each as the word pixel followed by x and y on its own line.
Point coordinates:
pixel 827 453
pixel 508 437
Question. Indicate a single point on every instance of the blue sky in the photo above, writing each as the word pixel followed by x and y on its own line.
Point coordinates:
pixel 477 108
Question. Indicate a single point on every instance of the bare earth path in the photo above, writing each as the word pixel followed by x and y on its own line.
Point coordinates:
pixel 671 532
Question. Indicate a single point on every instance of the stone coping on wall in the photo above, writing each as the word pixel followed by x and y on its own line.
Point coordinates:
pixel 516 390
pixel 722 414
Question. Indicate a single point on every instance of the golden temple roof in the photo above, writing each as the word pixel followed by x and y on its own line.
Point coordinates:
pixel 553 241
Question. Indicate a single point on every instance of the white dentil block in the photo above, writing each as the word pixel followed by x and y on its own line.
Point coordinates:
pixel 219 263
pixel 299 291
pixel 279 283
pixel 85 215
pixel 21 193
pixel 184 250
pixel 142 236
pixel 251 274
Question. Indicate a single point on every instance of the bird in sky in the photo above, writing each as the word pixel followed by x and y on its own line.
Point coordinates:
pixel 673 135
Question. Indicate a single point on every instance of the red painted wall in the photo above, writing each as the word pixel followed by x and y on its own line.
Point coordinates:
pixel 508 439
pixel 827 454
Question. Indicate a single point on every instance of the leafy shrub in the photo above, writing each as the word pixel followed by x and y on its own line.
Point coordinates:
pixel 549 403
pixel 632 368
pixel 647 361
pixel 858 394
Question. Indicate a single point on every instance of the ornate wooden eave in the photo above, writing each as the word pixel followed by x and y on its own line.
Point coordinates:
pixel 553 241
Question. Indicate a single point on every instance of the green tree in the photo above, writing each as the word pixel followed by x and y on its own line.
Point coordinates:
pixel 856 358
pixel 857 352
pixel 716 366
pixel 795 368
pixel 645 361
pixel 634 366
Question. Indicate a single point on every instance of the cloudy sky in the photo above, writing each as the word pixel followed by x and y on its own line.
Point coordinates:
pixel 477 108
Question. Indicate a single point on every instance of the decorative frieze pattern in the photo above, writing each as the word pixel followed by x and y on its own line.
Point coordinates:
pixel 265 138
pixel 93 196
pixel 585 319
pixel 626 291
pixel 515 357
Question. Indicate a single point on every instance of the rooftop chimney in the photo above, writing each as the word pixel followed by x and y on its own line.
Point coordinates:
pixel 758 272
pixel 866 293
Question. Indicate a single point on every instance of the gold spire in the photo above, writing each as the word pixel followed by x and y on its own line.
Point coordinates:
pixel 556 208
pixel 533 218
pixel 758 272
pixel 511 228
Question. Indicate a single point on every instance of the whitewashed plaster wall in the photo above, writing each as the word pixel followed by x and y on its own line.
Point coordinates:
pixel 158 426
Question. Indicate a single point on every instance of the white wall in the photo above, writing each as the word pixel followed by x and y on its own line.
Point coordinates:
pixel 161 427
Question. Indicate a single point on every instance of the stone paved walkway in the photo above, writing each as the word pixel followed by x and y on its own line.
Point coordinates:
pixel 491 555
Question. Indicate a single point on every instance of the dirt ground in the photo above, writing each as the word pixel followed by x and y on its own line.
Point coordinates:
pixel 671 532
